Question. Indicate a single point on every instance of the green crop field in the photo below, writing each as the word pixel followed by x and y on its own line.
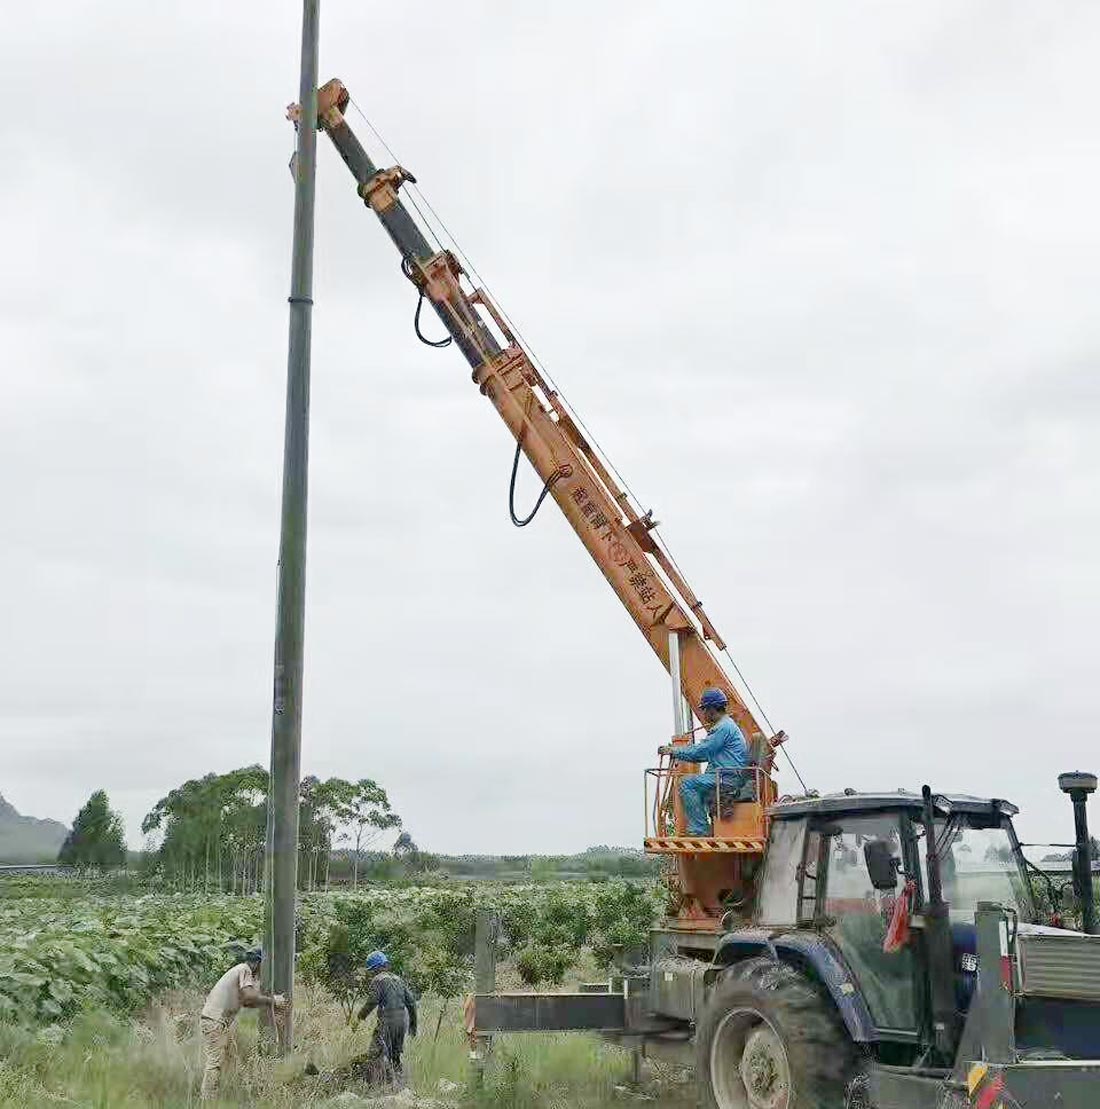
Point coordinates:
pixel 99 991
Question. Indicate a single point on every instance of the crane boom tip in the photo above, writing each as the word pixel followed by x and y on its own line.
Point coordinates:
pixel 332 98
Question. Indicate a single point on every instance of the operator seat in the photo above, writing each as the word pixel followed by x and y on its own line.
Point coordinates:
pixel 740 785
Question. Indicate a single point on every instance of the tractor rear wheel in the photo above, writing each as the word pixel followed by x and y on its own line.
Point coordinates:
pixel 770 1039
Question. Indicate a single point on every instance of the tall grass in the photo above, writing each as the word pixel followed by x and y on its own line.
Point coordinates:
pixel 102 1062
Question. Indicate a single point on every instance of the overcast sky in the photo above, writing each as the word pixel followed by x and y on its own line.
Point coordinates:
pixel 822 279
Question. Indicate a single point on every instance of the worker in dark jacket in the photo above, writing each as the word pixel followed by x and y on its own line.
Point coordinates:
pixel 394 1002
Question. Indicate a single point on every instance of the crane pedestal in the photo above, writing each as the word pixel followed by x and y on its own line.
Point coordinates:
pixel 715 872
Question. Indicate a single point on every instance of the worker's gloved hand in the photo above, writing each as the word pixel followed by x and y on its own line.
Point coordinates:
pixel 665 749
pixel 279 1001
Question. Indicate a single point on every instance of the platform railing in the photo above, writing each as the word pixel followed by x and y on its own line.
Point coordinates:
pixel 665 819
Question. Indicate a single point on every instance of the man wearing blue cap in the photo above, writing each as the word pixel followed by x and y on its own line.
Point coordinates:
pixel 393 1000
pixel 723 749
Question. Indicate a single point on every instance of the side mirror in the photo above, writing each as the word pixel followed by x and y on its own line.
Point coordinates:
pixel 882 865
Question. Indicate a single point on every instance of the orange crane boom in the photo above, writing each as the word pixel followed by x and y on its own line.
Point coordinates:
pixel 615 532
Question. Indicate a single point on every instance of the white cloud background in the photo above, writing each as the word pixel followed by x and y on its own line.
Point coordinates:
pixel 822 281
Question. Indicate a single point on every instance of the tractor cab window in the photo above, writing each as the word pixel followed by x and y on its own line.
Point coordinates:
pixel 978 862
pixel 858 914
pixel 779 888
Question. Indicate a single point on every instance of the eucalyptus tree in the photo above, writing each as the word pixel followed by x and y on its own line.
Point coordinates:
pixel 364 809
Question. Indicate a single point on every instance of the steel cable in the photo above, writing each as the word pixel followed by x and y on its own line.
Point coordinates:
pixel 413 188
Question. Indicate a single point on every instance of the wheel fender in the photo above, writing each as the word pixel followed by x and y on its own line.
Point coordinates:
pixel 813 955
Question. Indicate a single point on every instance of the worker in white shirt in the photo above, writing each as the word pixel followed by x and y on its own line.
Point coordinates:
pixel 238 987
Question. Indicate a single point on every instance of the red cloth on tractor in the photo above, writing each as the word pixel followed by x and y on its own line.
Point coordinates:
pixel 897 934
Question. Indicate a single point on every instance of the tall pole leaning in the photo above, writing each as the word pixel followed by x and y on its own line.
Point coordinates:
pixel 286 726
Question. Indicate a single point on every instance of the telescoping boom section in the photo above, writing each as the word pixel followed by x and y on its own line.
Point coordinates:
pixel 616 533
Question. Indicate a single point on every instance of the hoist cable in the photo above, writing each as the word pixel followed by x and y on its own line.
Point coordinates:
pixel 413 191
pixel 748 689
pixel 412 188
pixel 763 715
pixel 397 161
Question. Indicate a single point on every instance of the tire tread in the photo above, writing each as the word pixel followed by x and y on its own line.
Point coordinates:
pixel 820 1054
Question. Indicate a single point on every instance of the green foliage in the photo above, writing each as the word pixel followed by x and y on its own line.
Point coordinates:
pixel 413 860
pixel 597 864
pixel 337 960
pixel 212 829
pixel 548 935
pixel 543 869
pixel 623 916
pixel 538 963
pixel 429 941
pixel 96 840
pixel 364 808
pixel 60 955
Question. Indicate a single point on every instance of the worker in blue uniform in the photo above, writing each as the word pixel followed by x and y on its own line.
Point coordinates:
pixel 724 749
pixel 396 1012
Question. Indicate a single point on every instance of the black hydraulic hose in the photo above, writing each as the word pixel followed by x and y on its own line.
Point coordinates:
pixel 420 334
pixel 512 493
pixel 408 270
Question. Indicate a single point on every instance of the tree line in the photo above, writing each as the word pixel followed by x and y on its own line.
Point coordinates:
pixel 210 833
pixel 213 830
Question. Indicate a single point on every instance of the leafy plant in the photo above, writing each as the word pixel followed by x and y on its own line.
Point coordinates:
pixel 338 960
pixel 64 953
pixel 96 838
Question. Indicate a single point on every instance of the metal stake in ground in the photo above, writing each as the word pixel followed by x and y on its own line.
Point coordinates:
pixel 485 982
pixel 286 729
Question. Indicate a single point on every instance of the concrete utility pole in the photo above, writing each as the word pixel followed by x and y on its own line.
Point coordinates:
pixel 286 728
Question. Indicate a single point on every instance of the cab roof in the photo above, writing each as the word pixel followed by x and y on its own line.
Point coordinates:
pixel 851 801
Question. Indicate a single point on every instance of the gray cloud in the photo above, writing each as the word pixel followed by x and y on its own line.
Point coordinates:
pixel 822 283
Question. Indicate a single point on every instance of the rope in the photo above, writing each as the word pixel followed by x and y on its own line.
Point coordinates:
pixel 512 492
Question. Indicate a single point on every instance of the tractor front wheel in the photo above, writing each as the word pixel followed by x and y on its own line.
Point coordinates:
pixel 770 1039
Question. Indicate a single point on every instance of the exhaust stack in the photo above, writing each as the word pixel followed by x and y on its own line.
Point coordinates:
pixel 1078 785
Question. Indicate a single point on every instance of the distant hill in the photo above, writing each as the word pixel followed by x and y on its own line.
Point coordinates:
pixel 25 839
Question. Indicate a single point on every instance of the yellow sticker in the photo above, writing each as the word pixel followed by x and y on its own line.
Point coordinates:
pixel 977 1072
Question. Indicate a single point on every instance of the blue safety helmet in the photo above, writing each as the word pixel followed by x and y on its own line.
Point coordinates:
pixel 713 699
pixel 376 960
pixel 254 955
